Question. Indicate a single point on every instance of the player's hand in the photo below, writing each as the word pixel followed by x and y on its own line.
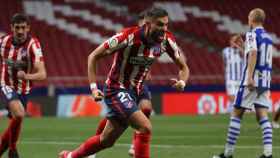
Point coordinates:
pixel 21 74
pixel 250 84
pixel 178 84
pixel 238 42
pixel 97 94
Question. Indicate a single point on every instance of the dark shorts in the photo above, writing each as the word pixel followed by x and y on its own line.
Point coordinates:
pixel 145 94
pixel 120 103
pixel 8 94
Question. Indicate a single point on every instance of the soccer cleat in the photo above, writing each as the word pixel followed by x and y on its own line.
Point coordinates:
pixel 65 154
pixel 131 151
pixel 275 125
pixel 222 155
pixel 263 156
pixel 13 154
pixel 92 156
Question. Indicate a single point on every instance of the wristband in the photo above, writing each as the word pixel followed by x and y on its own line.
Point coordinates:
pixel 93 86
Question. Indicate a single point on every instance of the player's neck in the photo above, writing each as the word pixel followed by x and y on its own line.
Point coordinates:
pixel 256 26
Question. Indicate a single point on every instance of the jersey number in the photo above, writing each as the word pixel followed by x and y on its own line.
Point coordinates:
pixel 124 97
pixel 266 54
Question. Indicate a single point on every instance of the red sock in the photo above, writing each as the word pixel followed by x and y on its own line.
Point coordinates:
pixel 133 138
pixel 147 112
pixel 4 141
pixel 15 128
pixel 101 126
pixel 142 145
pixel 89 147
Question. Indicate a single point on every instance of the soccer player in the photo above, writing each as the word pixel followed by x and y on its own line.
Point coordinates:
pixel 276 117
pixel 233 61
pixel 255 85
pixel 134 50
pixel 144 101
pixel 21 63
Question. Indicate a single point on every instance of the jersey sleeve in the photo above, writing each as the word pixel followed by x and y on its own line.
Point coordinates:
pixel 36 53
pixel 116 42
pixel 172 48
pixel 250 42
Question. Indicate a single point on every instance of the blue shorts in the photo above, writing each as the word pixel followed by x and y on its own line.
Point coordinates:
pixel 145 94
pixel 121 103
pixel 7 94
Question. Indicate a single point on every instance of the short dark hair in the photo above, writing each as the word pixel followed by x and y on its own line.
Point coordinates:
pixel 141 15
pixel 19 18
pixel 156 13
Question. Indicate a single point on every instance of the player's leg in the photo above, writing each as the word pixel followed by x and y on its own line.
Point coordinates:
pixel 262 118
pixel 145 106
pixel 142 124
pixel 16 109
pixel 244 100
pixel 276 117
pixel 101 126
pixel 262 104
pixel 112 131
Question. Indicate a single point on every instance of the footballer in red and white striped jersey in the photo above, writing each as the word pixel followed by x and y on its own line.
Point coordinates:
pixel 134 55
pixel 16 57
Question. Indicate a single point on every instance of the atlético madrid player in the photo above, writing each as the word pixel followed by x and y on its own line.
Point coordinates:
pixel 21 63
pixel 134 51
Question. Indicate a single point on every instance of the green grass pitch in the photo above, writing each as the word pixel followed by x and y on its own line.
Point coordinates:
pixel 173 137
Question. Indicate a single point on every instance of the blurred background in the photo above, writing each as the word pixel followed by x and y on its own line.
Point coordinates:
pixel 193 122
pixel 70 29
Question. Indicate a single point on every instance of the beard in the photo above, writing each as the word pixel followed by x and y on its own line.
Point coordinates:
pixel 157 36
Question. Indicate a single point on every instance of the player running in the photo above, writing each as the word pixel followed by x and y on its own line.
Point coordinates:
pixel 134 50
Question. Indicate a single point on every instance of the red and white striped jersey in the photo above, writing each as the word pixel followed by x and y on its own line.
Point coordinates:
pixel 133 57
pixel 18 57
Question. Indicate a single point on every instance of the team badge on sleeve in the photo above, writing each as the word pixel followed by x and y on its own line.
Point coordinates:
pixel 113 42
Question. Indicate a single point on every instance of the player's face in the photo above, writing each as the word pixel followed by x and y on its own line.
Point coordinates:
pixel 20 31
pixel 158 28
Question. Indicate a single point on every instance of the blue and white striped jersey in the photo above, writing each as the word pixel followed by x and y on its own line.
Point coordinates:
pixel 233 64
pixel 258 39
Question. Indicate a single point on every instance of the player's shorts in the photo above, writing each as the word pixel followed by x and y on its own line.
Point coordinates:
pixel 120 104
pixel 232 87
pixel 145 94
pixel 248 99
pixel 7 94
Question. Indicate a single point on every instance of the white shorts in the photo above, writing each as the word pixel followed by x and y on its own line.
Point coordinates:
pixel 248 99
pixel 232 87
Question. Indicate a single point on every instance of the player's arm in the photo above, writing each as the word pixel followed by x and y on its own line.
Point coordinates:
pixel 183 74
pixel 38 72
pixel 238 42
pixel 251 48
pixel 179 59
pixel 107 48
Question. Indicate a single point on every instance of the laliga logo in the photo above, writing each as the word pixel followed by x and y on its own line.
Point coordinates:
pixel 206 104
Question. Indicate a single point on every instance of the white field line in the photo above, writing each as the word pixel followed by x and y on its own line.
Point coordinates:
pixel 43 142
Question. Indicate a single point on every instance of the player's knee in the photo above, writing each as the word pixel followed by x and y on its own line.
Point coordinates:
pixel 19 114
pixel 17 109
pixel 147 112
pixel 147 128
